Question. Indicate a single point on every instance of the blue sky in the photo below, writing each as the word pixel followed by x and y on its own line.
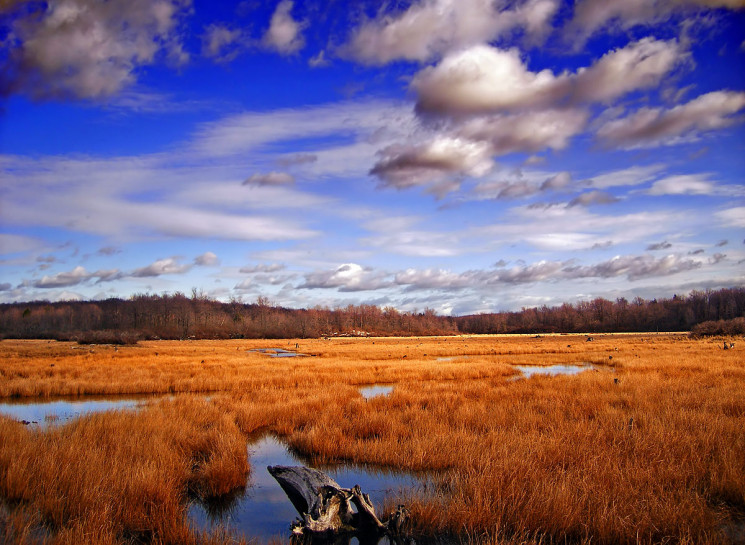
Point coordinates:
pixel 463 156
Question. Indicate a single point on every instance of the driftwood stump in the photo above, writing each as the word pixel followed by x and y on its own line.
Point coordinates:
pixel 326 508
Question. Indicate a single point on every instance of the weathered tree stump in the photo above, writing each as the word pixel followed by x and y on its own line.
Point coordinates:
pixel 326 510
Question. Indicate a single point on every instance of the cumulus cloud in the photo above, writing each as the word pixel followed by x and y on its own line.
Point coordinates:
pixel 640 65
pixel 285 33
pixel 404 166
pixel 484 79
pixel 87 48
pixel 160 267
pixel 207 259
pixel 652 127
pixel 221 43
pixel 74 277
pixel 270 179
pixel 429 28
pixel 347 278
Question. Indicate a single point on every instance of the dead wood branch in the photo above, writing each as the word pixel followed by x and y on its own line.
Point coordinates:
pixel 326 508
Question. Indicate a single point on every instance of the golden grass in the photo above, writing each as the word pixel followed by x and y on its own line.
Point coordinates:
pixel 656 456
pixel 121 476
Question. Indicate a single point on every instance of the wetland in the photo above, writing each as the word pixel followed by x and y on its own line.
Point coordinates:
pixel 485 439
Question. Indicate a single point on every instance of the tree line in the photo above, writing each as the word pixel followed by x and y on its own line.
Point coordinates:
pixel 178 316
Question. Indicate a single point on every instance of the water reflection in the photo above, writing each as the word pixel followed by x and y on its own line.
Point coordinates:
pixel 263 510
pixel 375 390
pixel 551 370
pixel 44 412
pixel 277 352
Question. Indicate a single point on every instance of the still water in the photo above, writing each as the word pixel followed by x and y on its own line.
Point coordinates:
pixel 58 410
pixel 551 370
pixel 376 390
pixel 263 510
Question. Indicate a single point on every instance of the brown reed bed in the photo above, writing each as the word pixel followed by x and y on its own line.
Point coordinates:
pixel 648 447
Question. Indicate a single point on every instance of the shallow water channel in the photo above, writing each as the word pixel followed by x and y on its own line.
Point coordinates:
pixel 43 412
pixel 551 370
pixel 375 390
pixel 263 510
pixel 278 352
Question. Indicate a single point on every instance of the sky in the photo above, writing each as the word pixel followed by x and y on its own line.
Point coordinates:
pixel 463 156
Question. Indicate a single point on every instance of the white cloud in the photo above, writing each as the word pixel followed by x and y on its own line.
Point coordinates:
pixel 253 131
pixel 429 28
pixel 640 65
pixel 160 267
pixel 631 267
pixel 75 277
pixel 591 15
pixel 652 127
pixel 428 279
pixel 420 243
pixel 348 277
pixel 404 166
pixel 13 244
pixel 484 79
pixel 733 217
pixel 263 268
pixel 91 49
pixel 557 182
pixel 104 197
pixel 526 132
pixel 636 175
pixel 207 259
pixel 637 267
pixel 563 228
pixel 684 184
pixel 285 33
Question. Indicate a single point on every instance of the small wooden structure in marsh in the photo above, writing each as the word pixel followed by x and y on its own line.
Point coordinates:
pixel 326 509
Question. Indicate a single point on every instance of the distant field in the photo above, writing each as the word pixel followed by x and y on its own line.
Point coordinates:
pixel 648 446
